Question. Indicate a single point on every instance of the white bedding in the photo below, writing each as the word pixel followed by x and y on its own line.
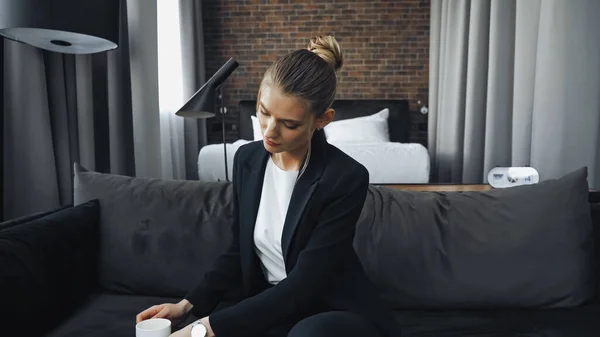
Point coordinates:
pixel 387 163
pixel 391 163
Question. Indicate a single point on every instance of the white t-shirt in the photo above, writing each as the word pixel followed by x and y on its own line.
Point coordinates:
pixel 275 199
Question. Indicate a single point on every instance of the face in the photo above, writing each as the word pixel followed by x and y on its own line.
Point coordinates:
pixel 285 123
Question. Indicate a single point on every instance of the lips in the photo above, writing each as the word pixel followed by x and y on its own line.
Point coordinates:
pixel 270 143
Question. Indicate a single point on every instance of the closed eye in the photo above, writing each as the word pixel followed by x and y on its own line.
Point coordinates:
pixel 285 123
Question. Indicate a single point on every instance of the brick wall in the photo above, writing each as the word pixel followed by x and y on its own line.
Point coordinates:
pixel 385 43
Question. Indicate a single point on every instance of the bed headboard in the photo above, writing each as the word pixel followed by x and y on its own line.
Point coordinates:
pixel 398 121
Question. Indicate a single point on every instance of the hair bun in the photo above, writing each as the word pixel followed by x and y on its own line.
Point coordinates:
pixel 328 49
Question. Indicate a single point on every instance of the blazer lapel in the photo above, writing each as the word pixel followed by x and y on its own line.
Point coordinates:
pixel 251 191
pixel 300 197
pixel 303 191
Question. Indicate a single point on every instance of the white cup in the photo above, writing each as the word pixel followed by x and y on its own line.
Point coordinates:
pixel 154 327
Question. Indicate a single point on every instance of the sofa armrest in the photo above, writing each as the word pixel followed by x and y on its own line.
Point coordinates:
pixel 48 267
pixel 595 208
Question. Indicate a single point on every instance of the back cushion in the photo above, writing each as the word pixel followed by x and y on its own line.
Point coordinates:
pixel 30 217
pixel 47 267
pixel 157 237
pixel 527 246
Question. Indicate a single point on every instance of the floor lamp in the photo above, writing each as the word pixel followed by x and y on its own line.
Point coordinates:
pixel 66 26
pixel 202 103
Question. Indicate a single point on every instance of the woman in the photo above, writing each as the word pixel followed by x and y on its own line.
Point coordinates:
pixel 297 201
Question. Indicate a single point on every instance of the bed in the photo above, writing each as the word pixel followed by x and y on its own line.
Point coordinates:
pixel 358 130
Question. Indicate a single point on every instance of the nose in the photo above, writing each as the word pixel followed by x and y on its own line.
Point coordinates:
pixel 271 128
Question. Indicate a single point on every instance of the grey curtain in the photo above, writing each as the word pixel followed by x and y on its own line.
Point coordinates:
pixel 514 83
pixel 60 109
pixel 194 67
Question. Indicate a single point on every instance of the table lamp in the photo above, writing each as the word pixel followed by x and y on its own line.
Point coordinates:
pixel 202 103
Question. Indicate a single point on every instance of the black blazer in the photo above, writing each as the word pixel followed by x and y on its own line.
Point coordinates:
pixel 323 270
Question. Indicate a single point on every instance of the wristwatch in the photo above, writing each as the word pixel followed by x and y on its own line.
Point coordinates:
pixel 198 329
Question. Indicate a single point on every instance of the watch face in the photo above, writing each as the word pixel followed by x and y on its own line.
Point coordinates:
pixel 198 330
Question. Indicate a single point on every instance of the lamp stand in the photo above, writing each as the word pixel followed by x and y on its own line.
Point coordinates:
pixel 223 111
pixel 1 129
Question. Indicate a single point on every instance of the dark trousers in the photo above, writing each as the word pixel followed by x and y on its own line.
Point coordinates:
pixel 333 324
pixel 325 324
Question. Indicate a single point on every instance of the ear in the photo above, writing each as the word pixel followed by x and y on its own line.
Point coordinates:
pixel 326 118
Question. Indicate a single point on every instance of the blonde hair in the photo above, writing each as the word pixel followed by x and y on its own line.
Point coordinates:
pixel 328 49
pixel 309 74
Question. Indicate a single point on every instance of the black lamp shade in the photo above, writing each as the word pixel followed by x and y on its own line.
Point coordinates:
pixel 201 105
pixel 64 26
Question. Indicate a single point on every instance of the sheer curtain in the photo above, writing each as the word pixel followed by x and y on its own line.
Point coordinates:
pixel 106 111
pixel 180 74
pixel 514 83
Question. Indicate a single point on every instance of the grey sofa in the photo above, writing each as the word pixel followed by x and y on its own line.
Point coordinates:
pixel 513 262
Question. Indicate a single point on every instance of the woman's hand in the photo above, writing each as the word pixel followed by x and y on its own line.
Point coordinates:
pixel 166 310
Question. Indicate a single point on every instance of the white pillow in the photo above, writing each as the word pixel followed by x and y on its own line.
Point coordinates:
pixel 256 128
pixel 373 128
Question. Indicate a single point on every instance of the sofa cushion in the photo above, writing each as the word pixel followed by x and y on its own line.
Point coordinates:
pixel 114 315
pixel 561 322
pixel 40 261
pixel 157 237
pixel 105 314
pixel 526 246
